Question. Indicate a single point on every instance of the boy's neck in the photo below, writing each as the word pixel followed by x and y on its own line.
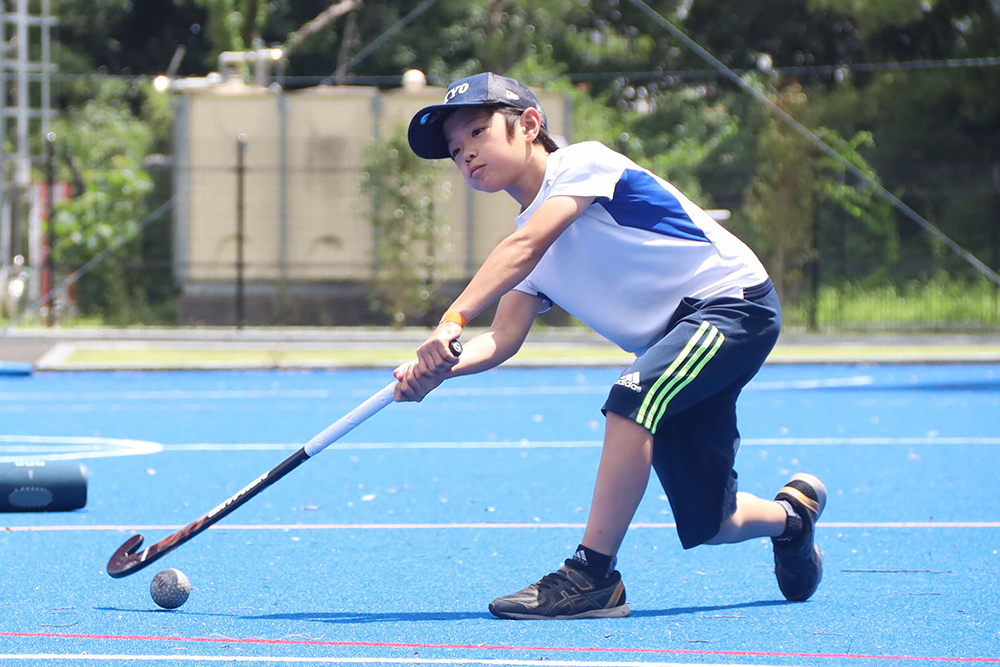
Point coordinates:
pixel 530 181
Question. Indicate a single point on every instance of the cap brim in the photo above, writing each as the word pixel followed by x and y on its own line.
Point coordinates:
pixel 426 132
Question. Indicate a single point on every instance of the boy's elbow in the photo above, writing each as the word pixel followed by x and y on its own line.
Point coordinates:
pixel 525 251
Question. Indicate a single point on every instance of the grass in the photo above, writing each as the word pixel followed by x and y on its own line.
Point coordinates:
pixel 82 356
pixel 936 305
pixel 942 305
pixel 153 356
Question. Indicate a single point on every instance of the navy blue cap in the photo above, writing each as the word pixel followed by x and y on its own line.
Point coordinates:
pixel 426 134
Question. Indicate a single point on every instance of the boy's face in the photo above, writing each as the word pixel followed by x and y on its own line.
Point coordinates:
pixel 488 159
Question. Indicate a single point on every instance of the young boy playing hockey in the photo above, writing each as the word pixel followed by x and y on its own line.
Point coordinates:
pixel 632 258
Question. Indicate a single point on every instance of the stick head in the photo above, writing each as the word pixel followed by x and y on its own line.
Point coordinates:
pixel 124 561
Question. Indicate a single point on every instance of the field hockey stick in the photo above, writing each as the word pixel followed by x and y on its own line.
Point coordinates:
pixel 128 559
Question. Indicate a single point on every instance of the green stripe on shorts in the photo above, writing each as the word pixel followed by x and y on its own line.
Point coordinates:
pixel 641 417
pixel 681 372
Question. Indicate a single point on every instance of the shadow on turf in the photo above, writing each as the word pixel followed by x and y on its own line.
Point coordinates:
pixel 348 617
pixel 355 617
pixel 678 611
pixel 324 616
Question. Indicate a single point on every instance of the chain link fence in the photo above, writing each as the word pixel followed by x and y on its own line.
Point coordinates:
pixel 271 222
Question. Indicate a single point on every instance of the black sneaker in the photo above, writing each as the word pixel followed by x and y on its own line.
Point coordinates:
pixel 798 563
pixel 567 593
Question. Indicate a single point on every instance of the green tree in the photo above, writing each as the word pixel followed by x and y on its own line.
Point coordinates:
pixel 870 16
pixel 934 133
pixel 672 134
pixel 405 196
pixel 234 25
pixel 108 145
pixel 794 180
pixel 129 38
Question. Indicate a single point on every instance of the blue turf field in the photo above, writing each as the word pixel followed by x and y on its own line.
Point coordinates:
pixel 387 547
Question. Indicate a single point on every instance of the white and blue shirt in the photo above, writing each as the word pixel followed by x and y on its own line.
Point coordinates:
pixel 624 265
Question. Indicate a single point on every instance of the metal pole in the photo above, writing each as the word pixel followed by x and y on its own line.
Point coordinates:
pixel 996 240
pixel 241 144
pixel 6 246
pixel 49 278
pixel 376 204
pixel 470 234
pixel 23 102
pixel 814 268
pixel 22 160
pixel 46 65
pixel 282 188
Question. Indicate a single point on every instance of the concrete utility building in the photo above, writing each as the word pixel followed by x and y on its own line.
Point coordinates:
pixel 308 238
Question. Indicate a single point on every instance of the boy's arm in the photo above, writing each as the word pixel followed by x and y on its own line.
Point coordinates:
pixel 515 314
pixel 509 263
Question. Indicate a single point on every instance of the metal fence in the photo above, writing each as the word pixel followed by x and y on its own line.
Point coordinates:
pixel 841 282
pixel 846 280
pixel 270 223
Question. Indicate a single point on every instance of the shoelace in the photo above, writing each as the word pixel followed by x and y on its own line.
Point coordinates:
pixel 552 580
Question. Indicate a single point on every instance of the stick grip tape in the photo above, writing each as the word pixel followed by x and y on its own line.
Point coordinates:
pixel 348 422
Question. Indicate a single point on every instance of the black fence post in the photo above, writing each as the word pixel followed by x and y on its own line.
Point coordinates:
pixel 241 144
pixel 996 240
pixel 814 271
pixel 50 233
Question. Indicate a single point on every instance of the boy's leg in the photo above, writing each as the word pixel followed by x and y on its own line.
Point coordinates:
pixel 798 563
pixel 790 521
pixel 754 517
pixel 666 381
pixel 622 477
pixel 592 588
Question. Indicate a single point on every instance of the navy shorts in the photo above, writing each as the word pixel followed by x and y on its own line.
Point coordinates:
pixel 683 389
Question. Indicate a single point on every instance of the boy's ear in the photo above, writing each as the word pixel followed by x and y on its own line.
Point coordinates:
pixel 531 121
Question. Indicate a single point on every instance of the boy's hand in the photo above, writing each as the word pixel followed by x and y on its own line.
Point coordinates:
pixel 434 356
pixel 414 387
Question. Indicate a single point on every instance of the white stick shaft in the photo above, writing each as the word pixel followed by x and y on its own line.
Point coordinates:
pixel 346 424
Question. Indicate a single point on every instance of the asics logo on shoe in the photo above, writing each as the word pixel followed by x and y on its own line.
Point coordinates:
pixel 575 595
pixel 581 582
pixel 571 602
pixel 630 381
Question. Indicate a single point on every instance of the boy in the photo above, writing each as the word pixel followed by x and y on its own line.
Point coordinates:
pixel 631 257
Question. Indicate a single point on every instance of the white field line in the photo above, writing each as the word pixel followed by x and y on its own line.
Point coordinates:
pixel 862 525
pixel 348 446
pixel 166 395
pixel 70 448
pixel 132 658
pixel 19 448
pixel 581 444
pixel 244 394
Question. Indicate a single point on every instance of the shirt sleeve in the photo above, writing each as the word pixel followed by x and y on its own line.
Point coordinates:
pixel 525 286
pixel 588 169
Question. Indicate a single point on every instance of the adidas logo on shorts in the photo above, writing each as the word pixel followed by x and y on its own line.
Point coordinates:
pixel 630 380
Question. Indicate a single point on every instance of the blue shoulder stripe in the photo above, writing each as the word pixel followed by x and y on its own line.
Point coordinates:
pixel 641 202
